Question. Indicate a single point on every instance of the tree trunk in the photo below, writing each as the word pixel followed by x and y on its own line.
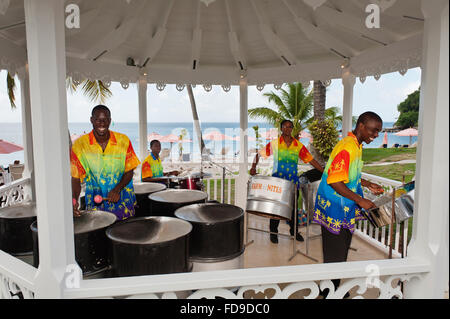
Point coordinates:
pixel 320 94
pixel 197 128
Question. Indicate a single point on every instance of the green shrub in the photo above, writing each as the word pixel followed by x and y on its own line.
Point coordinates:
pixel 325 137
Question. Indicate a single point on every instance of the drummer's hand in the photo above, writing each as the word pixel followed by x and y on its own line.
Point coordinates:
pixel 252 171
pixel 375 189
pixel 75 208
pixel 114 196
pixel 366 204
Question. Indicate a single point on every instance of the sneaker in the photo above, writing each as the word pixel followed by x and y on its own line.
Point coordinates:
pixel 274 238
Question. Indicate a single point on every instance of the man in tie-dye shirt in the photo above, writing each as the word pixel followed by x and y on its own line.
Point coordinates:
pixel 105 160
pixel 339 197
pixel 286 151
pixel 152 169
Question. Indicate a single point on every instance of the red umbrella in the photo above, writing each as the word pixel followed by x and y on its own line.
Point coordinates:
pixel 171 138
pixel 217 136
pixel 408 132
pixel 8 147
pixel 153 136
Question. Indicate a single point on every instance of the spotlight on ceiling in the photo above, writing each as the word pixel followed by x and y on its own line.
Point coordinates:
pixel 130 61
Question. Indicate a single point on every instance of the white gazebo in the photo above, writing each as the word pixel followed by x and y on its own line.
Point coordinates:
pixel 221 42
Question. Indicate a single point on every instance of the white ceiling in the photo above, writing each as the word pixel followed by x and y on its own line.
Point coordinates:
pixel 272 41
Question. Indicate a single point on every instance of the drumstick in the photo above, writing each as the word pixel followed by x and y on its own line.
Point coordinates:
pixel 98 199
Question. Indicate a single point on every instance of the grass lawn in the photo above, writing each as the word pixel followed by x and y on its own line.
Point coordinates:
pixel 371 155
pixel 393 171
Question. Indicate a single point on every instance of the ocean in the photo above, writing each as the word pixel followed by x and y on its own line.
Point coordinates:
pixel 12 132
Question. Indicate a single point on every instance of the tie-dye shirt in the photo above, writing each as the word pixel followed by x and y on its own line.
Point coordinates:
pixel 103 170
pixel 332 210
pixel 152 167
pixel 285 159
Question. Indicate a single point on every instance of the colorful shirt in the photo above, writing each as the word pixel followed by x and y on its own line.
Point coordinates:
pixel 332 210
pixel 285 159
pixel 103 170
pixel 152 167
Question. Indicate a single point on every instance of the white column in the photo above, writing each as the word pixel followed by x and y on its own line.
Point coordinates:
pixel 430 229
pixel 27 128
pixel 44 21
pixel 241 182
pixel 142 92
pixel 348 80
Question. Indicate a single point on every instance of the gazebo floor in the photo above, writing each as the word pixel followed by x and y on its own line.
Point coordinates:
pixel 263 253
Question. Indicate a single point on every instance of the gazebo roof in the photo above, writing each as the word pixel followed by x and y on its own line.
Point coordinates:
pixel 215 41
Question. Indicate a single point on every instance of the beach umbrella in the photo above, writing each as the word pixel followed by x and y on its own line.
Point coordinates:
pixel 216 136
pixel 8 147
pixel 154 136
pixel 171 138
pixel 408 132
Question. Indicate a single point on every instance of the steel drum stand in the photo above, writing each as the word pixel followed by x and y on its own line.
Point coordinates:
pixel 294 251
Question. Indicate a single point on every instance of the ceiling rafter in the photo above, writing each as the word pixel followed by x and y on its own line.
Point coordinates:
pixel 322 38
pixel 157 40
pixel 235 46
pixel 347 21
pixel 119 35
pixel 273 41
pixel 89 17
pixel 196 39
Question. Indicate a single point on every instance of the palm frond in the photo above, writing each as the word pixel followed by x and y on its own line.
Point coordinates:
pixel 11 84
pixel 96 91
pixel 271 116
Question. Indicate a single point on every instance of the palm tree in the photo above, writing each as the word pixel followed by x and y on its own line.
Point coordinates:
pixel 94 90
pixel 294 104
pixel 198 130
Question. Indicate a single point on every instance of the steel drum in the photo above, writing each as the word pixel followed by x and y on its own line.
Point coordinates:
pixel 166 202
pixel 217 235
pixel 149 245
pixel 91 244
pixel 193 181
pixel 382 214
pixel 404 207
pixel 270 197
pixel 142 190
pixel 15 235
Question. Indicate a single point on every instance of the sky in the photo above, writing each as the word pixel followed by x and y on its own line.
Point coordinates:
pixel 170 105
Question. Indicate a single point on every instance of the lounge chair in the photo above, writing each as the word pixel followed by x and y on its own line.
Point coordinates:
pixel 16 171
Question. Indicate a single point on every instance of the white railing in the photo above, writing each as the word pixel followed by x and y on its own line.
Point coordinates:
pixel 381 237
pixel 19 191
pixel 384 275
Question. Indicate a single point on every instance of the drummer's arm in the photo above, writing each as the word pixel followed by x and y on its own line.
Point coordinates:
pixel 153 180
pixel 374 188
pixel 76 190
pixel 316 165
pixel 254 164
pixel 343 190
